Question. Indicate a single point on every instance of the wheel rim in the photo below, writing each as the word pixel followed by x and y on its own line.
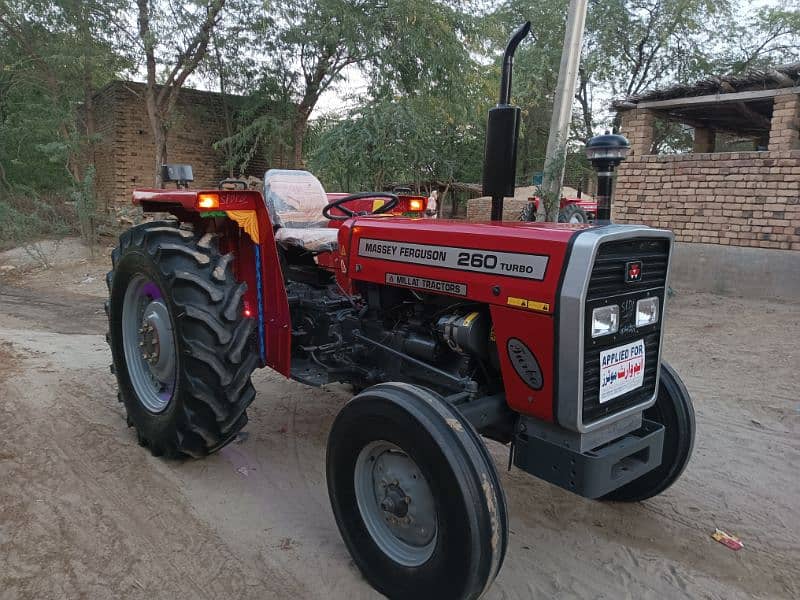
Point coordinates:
pixel 396 503
pixel 576 219
pixel 149 344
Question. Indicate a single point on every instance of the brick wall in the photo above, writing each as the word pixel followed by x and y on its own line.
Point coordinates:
pixel 125 155
pixel 734 198
pixel 105 148
pixel 784 131
pixel 637 125
pixel 480 209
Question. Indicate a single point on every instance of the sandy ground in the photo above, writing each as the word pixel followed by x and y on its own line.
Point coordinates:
pixel 86 513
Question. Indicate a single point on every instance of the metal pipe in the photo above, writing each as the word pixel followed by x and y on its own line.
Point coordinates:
pixel 497 208
pixel 605 183
pixel 508 61
pixel 461 383
pixel 555 155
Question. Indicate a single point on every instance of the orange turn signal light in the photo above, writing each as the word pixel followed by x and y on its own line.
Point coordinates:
pixel 208 201
pixel 415 204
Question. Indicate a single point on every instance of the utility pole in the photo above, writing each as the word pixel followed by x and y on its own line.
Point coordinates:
pixel 562 105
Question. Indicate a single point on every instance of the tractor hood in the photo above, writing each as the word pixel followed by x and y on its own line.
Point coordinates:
pixel 511 264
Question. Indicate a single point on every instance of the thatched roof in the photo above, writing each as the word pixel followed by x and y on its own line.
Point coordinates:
pixel 755 79
pixel 739 104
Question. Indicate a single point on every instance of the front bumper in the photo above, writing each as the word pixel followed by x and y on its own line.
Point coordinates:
pixel 593 473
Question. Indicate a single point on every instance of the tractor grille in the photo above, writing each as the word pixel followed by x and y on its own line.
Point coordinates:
pixel 608 274
pixel 607 285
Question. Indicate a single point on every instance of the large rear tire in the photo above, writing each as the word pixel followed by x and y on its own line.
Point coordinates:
pixel 572 213
pixel 528 212
pixel 183 352
pixel 674 410
pixel 416 495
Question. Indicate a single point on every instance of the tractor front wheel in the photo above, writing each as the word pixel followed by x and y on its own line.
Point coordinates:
pixel 183 352
pixel 674 410
pixel 415 494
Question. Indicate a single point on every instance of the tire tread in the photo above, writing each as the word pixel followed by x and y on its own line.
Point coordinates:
pixel 218 355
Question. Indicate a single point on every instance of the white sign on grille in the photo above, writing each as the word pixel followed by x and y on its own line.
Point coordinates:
pixel 621 370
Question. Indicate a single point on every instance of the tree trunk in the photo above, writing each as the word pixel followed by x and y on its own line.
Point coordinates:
pixel 4 184
pixel 161 105
pixel 160 142
pixel 298 138
pixel 441 199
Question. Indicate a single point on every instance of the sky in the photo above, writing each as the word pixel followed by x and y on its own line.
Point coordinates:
pixel 342 96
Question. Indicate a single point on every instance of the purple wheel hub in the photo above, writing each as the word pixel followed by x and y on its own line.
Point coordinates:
pixel 149 344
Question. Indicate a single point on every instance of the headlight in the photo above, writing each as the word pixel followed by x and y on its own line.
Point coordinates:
pixel 646 311
pixel 605 320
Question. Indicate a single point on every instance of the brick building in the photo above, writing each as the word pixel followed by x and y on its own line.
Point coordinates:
pixel 734 200
pixel 748 198
pixel 124 155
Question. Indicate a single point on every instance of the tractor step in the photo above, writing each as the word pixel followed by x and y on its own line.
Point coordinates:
pixel 593 473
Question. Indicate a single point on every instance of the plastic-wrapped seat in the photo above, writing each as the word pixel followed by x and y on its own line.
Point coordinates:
pixel 295 200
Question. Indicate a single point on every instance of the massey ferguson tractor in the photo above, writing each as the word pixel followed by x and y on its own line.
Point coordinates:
pixel 545 337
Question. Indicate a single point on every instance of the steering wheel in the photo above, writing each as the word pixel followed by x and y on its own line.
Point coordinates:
pixel 387 206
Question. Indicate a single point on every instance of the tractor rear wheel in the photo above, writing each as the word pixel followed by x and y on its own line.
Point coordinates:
pixel 183 352
pixel 674 410
pixel 415 494
pixel 528 212
pixel 572 213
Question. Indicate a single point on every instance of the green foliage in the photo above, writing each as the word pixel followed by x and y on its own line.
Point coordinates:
pixel 430 67
pixel 83 196
pixel 670 137
pixel 400 47
pixel 261 127
pixel 51 53
pixel 551 198
pixel 416 140
pixel 24 219
pixel 770 36
pixel 649 43
pixel 53 56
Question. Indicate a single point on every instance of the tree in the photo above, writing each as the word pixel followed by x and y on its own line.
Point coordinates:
pixel 192 29
pixel 420 140
pixel 399 46
pixel 54 55
pixel 769 36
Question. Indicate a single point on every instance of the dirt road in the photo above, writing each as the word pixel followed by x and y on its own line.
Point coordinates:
pixel 86 513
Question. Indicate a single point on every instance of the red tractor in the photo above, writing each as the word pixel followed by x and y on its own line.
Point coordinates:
pixel 545 337
pixel 570 210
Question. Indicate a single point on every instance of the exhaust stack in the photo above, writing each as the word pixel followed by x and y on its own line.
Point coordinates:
pixel 502 134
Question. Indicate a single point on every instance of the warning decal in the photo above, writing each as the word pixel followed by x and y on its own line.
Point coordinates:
pixel 429 285
pixel 510 264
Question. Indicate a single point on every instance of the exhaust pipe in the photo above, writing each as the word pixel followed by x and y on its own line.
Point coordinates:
pixel 502 134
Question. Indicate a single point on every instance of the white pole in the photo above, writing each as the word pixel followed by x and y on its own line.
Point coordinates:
pixel 562 104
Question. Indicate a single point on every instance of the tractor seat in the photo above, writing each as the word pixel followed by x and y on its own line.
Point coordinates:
pixel 312 239
pixel 295 200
